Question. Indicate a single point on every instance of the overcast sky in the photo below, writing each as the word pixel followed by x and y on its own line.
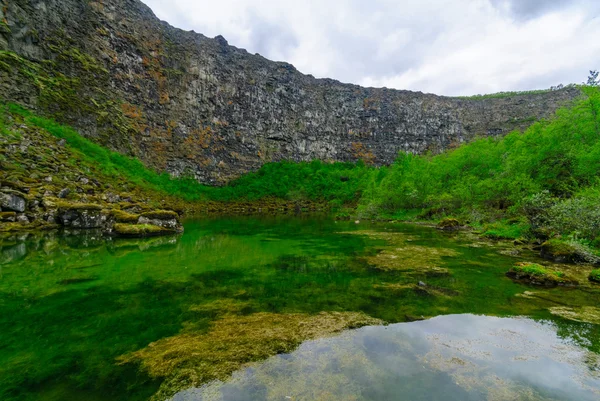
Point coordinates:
pixel 448 47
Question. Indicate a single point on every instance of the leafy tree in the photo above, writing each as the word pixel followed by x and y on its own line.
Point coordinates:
pixel 593 78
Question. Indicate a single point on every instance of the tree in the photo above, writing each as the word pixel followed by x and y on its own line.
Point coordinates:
pixel 593 79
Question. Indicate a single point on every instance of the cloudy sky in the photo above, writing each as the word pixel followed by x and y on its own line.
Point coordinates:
pixel 448 47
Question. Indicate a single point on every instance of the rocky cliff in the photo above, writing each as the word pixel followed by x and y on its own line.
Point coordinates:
pixel 191 105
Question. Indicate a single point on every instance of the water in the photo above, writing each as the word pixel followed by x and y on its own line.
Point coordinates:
pixel 71 306
pixel 455 357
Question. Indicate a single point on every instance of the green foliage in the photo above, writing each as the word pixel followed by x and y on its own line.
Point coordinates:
pixel 549 173
pixel 569 250
pixel 533 269
pixel 595 275
pixel 505 230
pixel 504 94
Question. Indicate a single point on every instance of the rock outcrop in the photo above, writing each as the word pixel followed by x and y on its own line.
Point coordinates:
pixel 191 105
pixel 71 201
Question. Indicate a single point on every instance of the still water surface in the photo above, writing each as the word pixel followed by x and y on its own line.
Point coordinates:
pixel 71 305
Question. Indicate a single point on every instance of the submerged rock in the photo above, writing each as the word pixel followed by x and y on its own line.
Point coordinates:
pixel 586 314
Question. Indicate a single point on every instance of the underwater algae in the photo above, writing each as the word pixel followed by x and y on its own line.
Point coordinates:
pixel 190 359
pixel 398 254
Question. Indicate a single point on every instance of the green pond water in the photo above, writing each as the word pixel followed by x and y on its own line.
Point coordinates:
pixel 71 305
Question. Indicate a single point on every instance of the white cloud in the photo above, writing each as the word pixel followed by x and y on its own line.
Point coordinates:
pixel 450 47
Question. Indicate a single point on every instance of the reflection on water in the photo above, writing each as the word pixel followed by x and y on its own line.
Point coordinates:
pixel 456 357
pixel 71 305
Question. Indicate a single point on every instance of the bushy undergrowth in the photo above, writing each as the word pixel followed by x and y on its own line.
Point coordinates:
pixel 549 173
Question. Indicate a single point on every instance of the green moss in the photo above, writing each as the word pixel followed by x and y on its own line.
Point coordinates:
pixel 161 215
pixel 192 359
pixel 139 230
pixel 5 216
pixel 568 251
pixel 533 269
pixel 595 275
pixel 536 274
pixel 63 205
pixel 124 217
pixel 449 224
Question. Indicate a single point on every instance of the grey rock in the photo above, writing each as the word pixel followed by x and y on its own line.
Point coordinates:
pixel 62 142
pixel 64 193
pixel 84 181
pixel 82 218
pixel 171 224
pixel 48 179
pixel 13 200
pixel 22 219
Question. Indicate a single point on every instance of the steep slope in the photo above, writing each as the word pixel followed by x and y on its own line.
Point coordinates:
pixel 190 105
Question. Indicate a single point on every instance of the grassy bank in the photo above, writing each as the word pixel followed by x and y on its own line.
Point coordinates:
pixel 541 183
pixel 316 181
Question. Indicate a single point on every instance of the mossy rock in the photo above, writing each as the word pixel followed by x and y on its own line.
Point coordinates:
pixel 562 252
pixel 139 230
pixel 160 215
pixel 448 224
pixel 535 274
pixel 62 205
pixel 124 217
pixel 8 216
pixel 594 276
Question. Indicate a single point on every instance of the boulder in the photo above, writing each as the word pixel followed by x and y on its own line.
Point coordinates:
pixel 13 201
pixel 166 219
pixel 81 216
pixel 64 193
pixel 560 251
pixel 535 274
pixel 448 224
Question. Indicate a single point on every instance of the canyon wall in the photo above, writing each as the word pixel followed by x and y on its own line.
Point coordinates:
pixel 191 105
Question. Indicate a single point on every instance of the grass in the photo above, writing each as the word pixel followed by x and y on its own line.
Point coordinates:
pixel 505 230
pixel 286 180
pixel 534 269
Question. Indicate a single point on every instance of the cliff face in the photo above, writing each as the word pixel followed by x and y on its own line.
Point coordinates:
pixel 187 104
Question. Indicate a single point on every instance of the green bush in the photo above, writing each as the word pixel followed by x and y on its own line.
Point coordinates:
pixel 549 174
